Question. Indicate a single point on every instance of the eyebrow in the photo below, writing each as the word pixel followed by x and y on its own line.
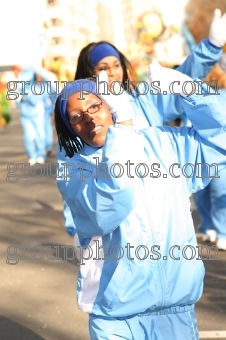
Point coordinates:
pixel 116 61
pixel 89 101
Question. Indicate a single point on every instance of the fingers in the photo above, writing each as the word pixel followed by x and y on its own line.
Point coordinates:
pixel 154 65
pixel 223 19
pixel 216 14
pixel 103 92
pixel 103 79
pixel 154 69
pixel 103 76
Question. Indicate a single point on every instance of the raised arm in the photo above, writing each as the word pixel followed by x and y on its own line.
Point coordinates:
pixel 97 199
pixel 197 65
pixel 205 142
pixel 208 51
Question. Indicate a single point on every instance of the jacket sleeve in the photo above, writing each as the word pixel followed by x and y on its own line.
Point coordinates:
pixel 201 150
pixel 68 217
pixel 69 220
pixel 197 65
pixel 101 202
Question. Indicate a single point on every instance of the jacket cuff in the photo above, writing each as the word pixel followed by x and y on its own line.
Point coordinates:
pixel 202 90
pixel 124 127
pixel 213 48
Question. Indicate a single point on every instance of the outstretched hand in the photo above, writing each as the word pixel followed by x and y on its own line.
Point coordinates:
pixel 119 105
pixel 217 35
pixel 168 80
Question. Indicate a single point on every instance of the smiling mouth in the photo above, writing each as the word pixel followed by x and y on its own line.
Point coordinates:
pixel 95 130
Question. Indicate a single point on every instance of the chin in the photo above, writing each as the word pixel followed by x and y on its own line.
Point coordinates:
pixel 97 143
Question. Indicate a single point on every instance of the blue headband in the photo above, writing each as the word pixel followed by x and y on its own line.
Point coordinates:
pixel 101 51
pixel 83 86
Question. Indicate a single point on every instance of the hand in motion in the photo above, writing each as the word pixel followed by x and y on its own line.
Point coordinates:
pixel 119 105
pixel 217 35
pixel 169 80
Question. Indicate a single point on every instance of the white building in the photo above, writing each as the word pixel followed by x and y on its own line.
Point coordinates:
pixel 21 32
pixel 33 31
pixel 69 25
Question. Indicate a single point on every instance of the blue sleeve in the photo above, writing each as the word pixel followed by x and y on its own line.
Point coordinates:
pixel 68 217
pixel 170 107
pixel 49 104
pixel 69 221
pixel 52 89
pixel 199 63
pixel 31 99
pixel 102 203
pixel 204 143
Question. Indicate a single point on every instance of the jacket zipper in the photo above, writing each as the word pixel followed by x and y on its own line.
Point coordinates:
pixel 152 232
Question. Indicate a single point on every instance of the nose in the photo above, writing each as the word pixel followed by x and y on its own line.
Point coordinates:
pixel 111 72
pixel 88 117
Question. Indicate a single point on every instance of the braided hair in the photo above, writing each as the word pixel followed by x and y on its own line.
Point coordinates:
pixel 71 143
pixel 66 139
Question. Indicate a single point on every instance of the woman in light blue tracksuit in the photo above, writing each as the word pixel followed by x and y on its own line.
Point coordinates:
pixel 36 107
pixel 32 116
pixel 140 274
pixel 149 110
pixel 50 80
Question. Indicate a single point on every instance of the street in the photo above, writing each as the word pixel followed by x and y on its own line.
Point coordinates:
pixel 38 293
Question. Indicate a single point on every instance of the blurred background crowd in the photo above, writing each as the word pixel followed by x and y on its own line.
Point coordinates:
pixel 51 33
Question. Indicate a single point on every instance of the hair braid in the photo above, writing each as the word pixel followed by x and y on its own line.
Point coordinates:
pixel 66 139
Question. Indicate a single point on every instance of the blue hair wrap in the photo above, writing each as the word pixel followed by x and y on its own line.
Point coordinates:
pixel 101 51
pixel 84 86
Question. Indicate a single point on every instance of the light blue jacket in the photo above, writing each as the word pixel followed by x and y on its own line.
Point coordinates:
pixel 32 104
pixel 128 216
pixel 157 110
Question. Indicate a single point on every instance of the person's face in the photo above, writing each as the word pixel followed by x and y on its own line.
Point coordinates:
pixel 38 78
pixel 93 127
pixel 112 66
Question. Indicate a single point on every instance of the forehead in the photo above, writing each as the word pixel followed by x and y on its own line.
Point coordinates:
pixel 108 60
pixel 76 103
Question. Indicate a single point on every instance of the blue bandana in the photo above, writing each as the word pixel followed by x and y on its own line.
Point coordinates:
pixel 101 51
pixel 83 86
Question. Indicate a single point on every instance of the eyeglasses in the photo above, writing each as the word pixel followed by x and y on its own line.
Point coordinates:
pixel 79 115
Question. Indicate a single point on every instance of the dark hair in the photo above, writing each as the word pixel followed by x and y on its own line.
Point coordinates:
pixel 66 139
pixel 86 70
